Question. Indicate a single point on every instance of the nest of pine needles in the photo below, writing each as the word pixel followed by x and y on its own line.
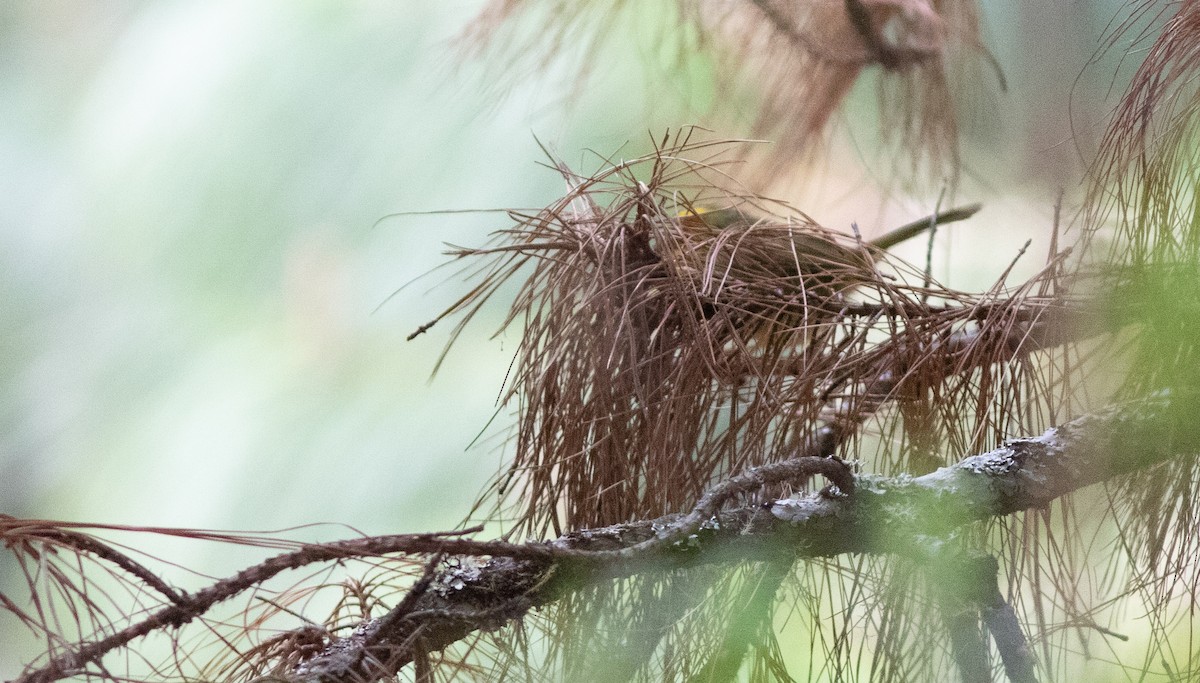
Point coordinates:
pixel 666 344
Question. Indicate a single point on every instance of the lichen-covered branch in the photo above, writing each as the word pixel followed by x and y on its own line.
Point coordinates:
pixel 883 516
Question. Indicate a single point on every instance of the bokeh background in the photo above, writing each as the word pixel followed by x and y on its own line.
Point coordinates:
pixel 201 315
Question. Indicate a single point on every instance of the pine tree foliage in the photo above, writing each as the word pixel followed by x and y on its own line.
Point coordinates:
pixel 749 447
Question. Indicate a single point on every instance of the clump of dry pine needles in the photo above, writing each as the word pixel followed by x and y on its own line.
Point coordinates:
pixel 796 61
pixel 675 332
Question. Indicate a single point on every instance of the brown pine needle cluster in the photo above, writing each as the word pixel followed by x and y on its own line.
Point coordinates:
pixel 798 60
pixel 667 345
pixel 1143 220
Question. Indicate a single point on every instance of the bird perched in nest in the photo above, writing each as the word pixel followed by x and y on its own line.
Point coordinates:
pixel 773 273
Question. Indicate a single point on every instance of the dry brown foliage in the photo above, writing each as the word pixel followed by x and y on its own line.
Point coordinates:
pixel 798 60
pixel 661 353
pixel 1143 218
pixel 685 339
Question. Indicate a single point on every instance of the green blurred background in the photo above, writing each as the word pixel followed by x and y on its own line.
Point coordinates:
pixel 191 264
pixel 192 273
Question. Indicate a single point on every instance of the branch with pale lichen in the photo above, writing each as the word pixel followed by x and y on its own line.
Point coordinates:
pixel 883 516
pixel 526 558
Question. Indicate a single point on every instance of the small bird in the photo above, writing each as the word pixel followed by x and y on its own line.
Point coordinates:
pixel 775 273
pixel 734 217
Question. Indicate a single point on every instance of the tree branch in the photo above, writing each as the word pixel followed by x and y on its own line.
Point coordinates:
pixel 882 516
